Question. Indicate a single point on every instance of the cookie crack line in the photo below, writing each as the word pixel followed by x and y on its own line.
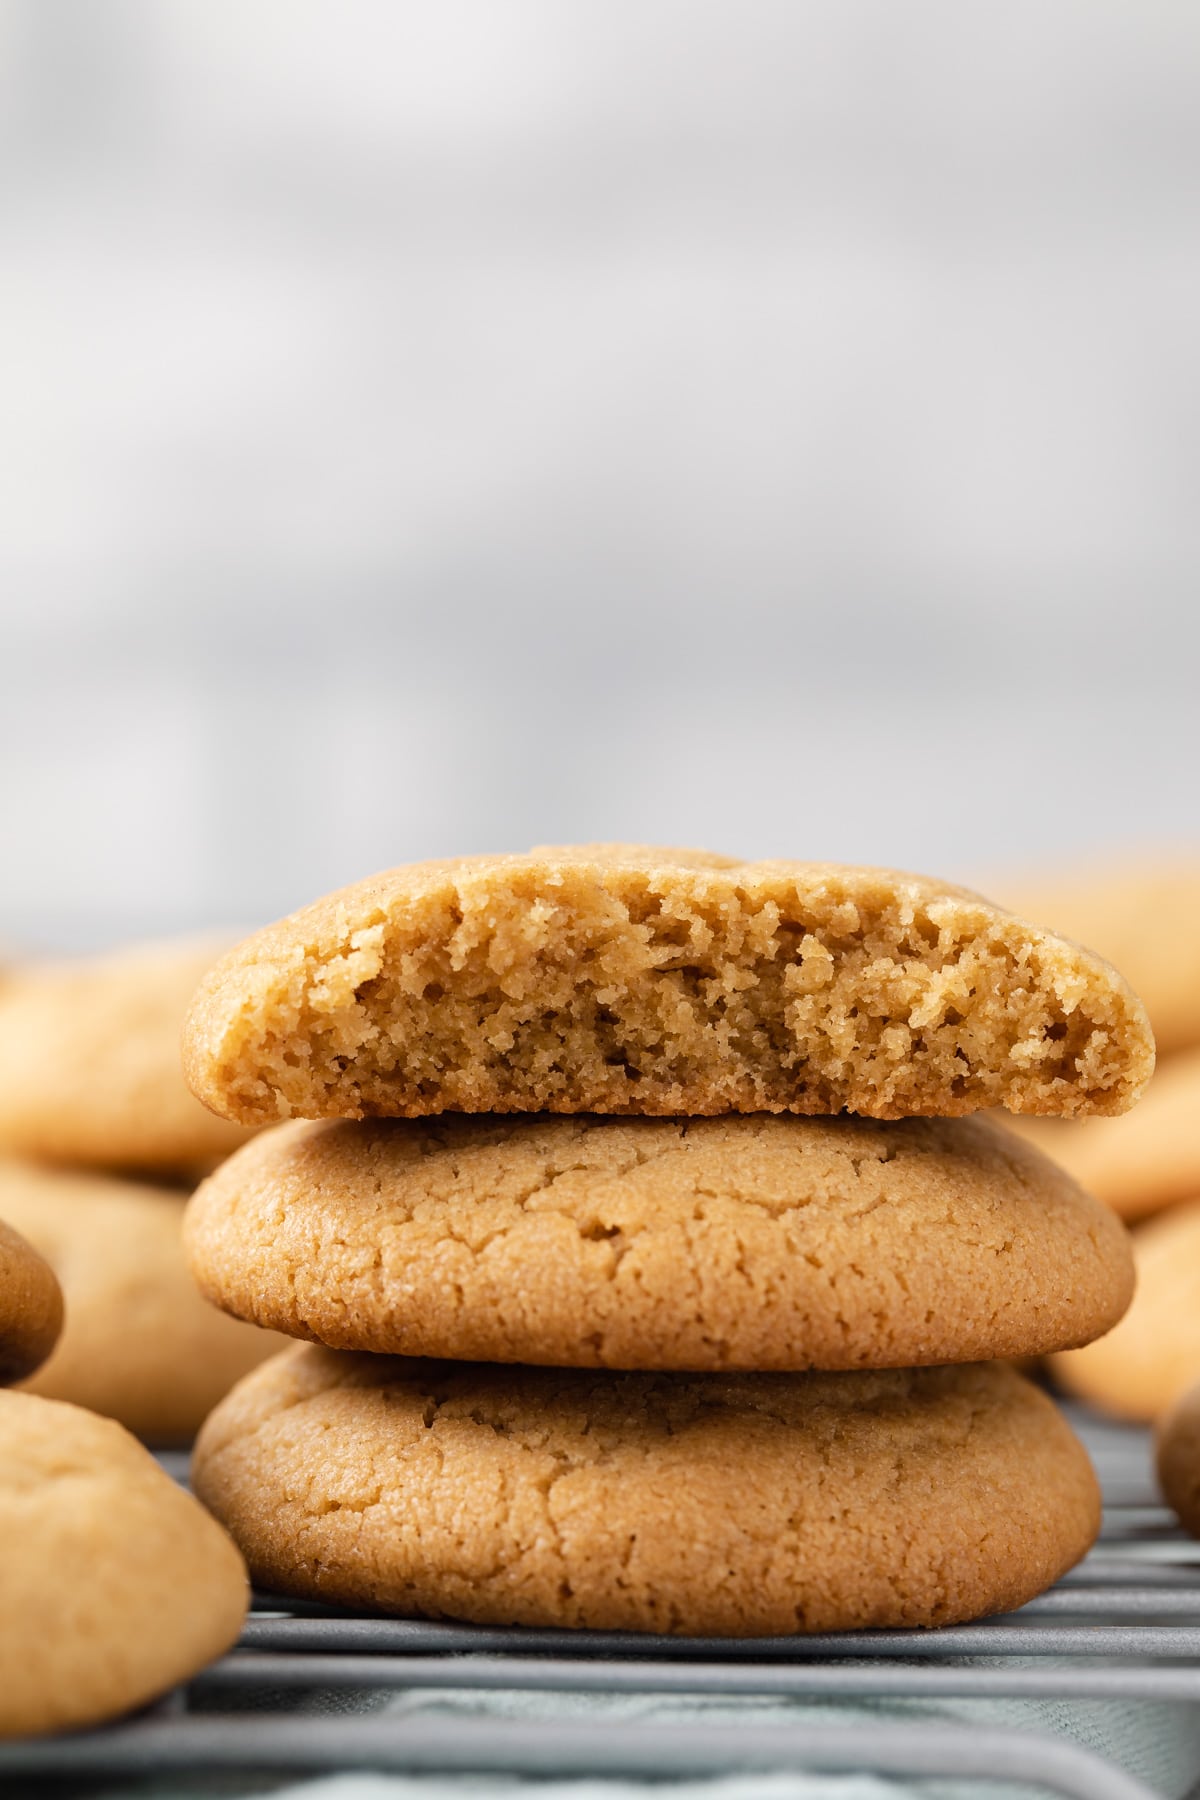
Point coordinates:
pixel 541 983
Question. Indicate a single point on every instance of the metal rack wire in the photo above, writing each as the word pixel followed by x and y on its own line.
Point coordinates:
pixel 1122 1628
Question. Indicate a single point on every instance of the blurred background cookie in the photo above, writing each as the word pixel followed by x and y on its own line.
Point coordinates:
pixel 116 1583
pixel 1144 917
pixel 1144 1161
pixel 138 1344
pixel 1147 1361
pixel 30 1306
pixel 1178 1459
pixel 89 1061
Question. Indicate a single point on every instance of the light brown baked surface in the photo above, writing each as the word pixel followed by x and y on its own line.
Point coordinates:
pixel 139 1344
pixel 733 1504
pixel 1143 915
pixel 30 1306
pixel 1177 1456
pixel 619 979
pixel 90 1066
pixel 1146 1160
pixel 114 1583
pixel 1153 1356
pixel 744 1242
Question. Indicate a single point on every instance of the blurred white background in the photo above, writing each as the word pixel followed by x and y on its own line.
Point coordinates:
pixel 452 424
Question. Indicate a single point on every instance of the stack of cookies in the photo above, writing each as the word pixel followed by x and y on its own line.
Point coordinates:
pixel 653 1275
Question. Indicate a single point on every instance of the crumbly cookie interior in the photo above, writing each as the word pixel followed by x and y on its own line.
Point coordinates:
pixel 699 995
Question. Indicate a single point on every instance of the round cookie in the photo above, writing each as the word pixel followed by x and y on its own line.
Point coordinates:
pixel 1144 1161
pixel 139 1343
pixel 1142 915
pixel 1153 1356
pixel 116 1584
pixel 739 1505
pixel 1177 1454
pixel 766 1242
pixel 619 979
pixel 31 1307
pixel 89 1062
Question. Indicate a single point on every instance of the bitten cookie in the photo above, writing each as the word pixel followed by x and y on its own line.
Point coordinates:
pixel 114 1583
pixel 139 1343
pixel 31 1306
pixel 765 1242
pixel 1145 918
pixel 89 1062
pixel 734 1505
pixel 1178 1459
pixel 1153 1355
pixel 1143 1162
pixel 615 979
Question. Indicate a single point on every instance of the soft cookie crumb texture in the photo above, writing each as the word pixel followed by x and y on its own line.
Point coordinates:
pixel 558 983
pixel 739 1506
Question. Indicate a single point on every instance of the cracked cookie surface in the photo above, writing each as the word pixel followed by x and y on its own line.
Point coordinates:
pixel 739 1505
pixel 752 1242
pixel 619 979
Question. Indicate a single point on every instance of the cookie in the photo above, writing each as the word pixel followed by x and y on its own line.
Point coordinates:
pixel 1144 1365
pixel 89 1062
pixel 31 1306
pixel 139 1343
pixel 1143 1162
pixel 1177 1455
pixel 624 980
pixel 764 1242
pixel 114 1584
pixel 1144 917
pixel 736 1505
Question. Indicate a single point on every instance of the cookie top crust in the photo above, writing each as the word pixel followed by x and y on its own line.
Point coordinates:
pixel 737 1505
pixel 31 1306
pixel 745 1242
pixel 116 1583
pixel 138 1344
pixel 89 1061
pixel 627 980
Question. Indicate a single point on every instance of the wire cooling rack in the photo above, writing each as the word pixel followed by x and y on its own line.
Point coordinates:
pixel 1123 1630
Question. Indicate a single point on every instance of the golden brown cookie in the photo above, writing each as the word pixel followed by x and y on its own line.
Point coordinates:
pixel 1153 1355
pixel 30 1306
pixel 626 980
pixel 745 1242
pixel 1143 1162
pixel 1144 916
pixel 1178 1459
pixel 139 1343
pixel 89 1062
pixel 733 1504
pixel 114 1583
